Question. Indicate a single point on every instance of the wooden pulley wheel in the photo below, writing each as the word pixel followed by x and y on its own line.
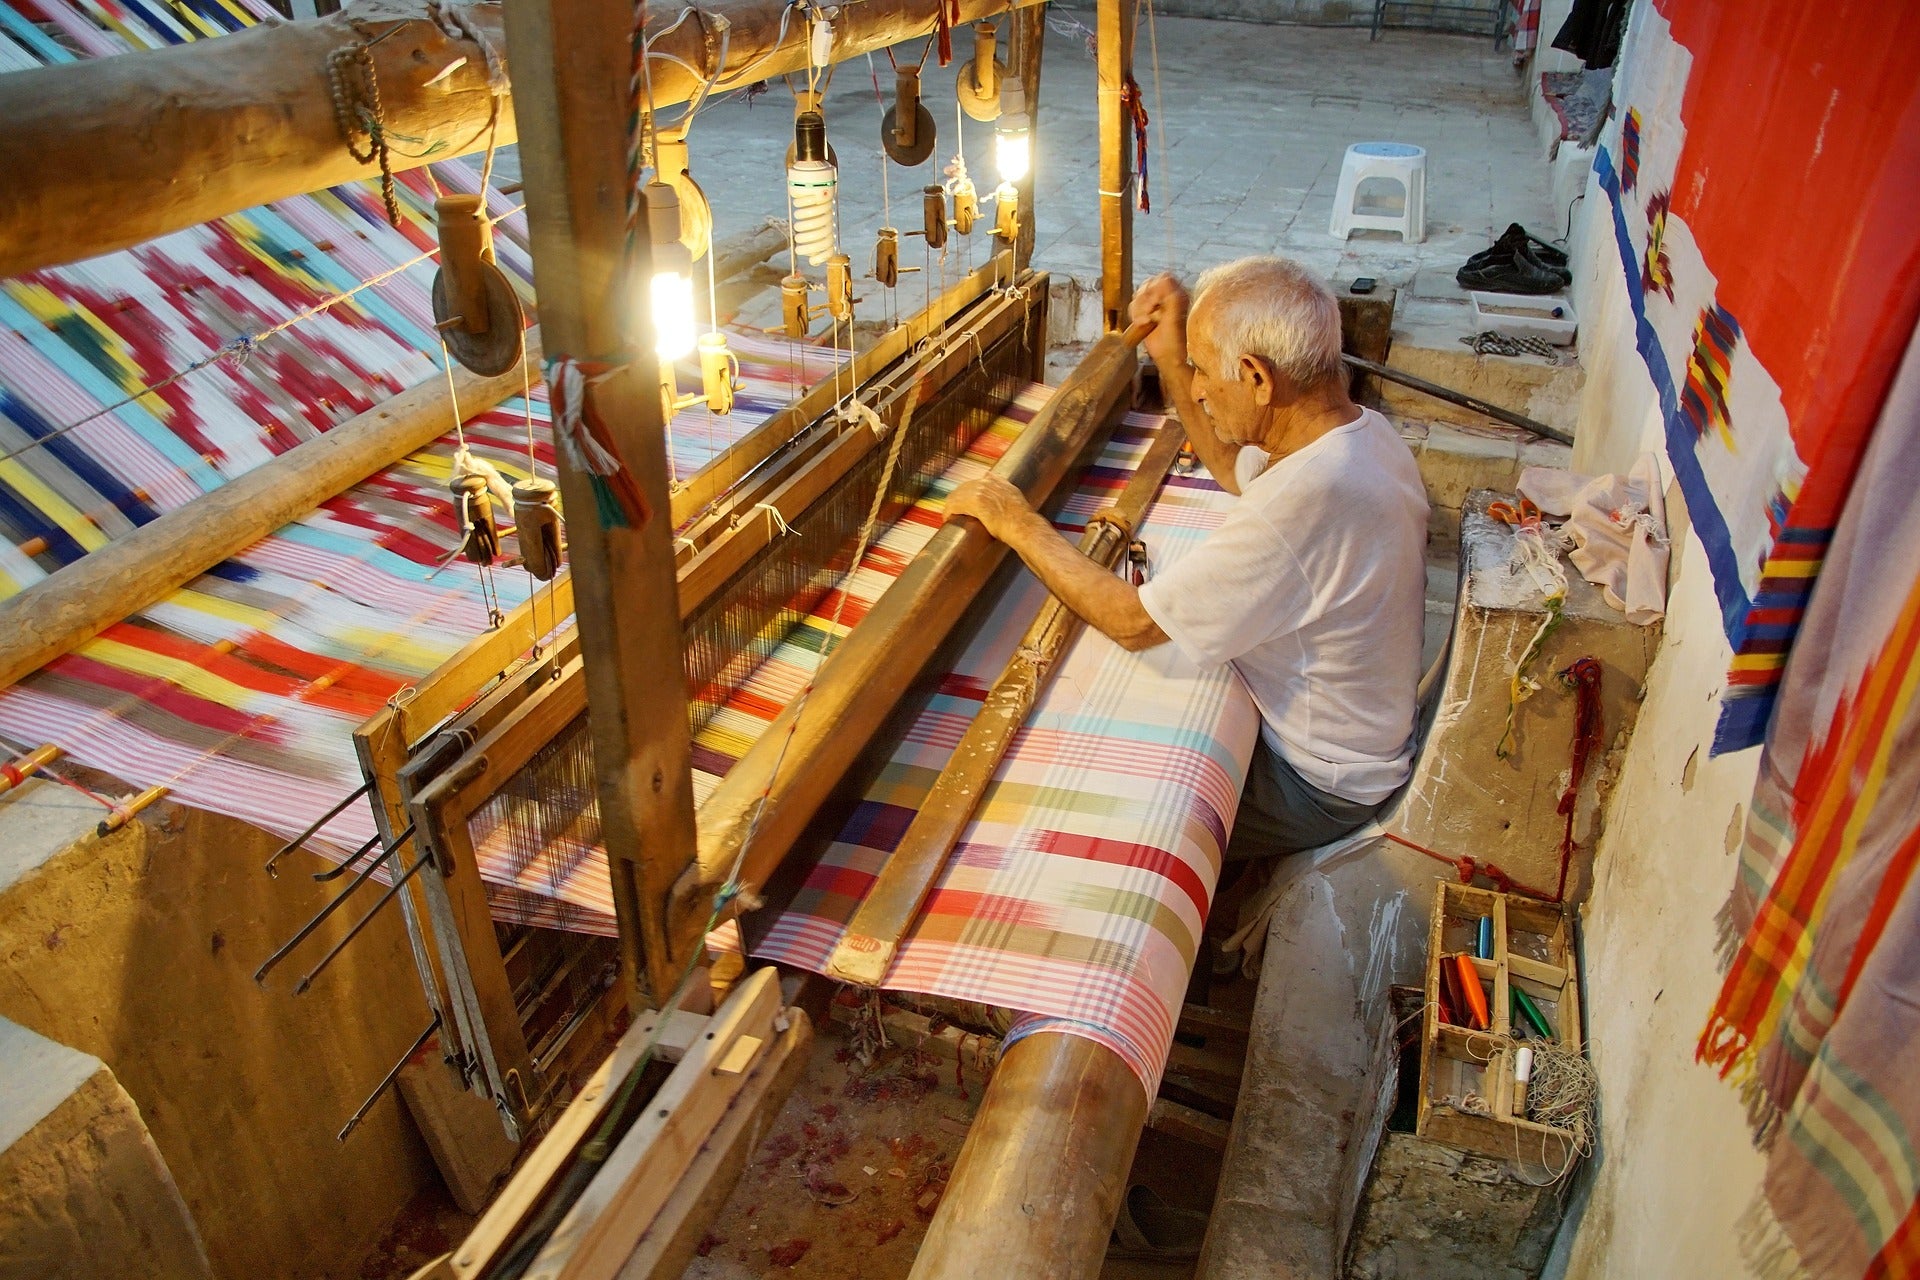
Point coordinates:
pixel 979 103
pixel 923 137
pixel 503 342
pixel 696 215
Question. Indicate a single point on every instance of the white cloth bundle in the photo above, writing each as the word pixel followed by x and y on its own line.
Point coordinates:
pixel 1618 529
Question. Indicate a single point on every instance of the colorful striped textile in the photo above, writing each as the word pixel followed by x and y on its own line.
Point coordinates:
pixel 1079 892
pixel 249 681
pixel 1819 1012
pixel 1769 368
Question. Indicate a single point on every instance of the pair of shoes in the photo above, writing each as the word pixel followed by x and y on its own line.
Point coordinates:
pixel 1518 262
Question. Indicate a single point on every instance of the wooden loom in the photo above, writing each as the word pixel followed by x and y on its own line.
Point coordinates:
pixel 1056 1131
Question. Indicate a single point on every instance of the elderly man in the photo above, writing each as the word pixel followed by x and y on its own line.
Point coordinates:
pixel 1313 585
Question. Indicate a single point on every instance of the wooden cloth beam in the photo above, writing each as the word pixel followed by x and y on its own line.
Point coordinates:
pixel 69 607
pixel 1039 1180
pixel 104 154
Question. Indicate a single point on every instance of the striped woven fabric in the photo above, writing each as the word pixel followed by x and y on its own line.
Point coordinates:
pixel 1079 892
pixel 250 680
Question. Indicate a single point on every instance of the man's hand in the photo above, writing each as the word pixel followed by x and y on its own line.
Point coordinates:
pixel 1162 301
pixel 992 501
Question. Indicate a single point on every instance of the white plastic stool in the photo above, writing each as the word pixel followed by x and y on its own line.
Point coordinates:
pixel 1400 161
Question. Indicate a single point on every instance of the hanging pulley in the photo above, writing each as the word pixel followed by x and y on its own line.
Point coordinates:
pixel 886 258
pixel 479 531
pixel 978 83
pixel 696 212
pixel 536 520
pixel 719 372
pixel 934 206
pixel 474 305
pixel 907 130
pixel 793 306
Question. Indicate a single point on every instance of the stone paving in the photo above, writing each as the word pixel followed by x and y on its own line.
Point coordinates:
pixel 1255 120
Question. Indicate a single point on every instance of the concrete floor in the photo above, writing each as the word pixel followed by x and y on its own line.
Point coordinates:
pixel 1245 149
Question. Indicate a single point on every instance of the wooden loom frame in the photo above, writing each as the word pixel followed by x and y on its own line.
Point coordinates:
pixel 496 700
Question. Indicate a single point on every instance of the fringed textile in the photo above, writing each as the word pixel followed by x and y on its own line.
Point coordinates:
pixel 1818 1017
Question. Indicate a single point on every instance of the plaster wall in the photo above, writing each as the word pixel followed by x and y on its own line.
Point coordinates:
pixel 86 1189
pixel 1675 1167
pixel 140 950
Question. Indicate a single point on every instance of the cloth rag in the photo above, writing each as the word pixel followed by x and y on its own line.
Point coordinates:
pixel 1618 529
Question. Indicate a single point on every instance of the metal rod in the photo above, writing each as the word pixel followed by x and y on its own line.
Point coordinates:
pixel 352 858
pixel 386 1081
pixel 1460 398
pixel 399 882
pixel 261 973
pixel 307 835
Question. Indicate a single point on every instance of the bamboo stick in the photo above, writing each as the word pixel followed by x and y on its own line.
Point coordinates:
pixel 776 787
pixel 107 153
pixel 69 607
pixel 865 953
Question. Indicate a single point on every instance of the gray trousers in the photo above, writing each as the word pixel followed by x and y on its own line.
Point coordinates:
pixel 1281 812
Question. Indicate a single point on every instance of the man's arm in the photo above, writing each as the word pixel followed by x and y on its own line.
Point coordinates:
pixel 1163 302
pixel 1106 601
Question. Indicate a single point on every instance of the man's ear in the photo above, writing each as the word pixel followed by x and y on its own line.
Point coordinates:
pixel 1257 372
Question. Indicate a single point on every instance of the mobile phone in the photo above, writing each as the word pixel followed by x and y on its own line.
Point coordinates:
pixel 1364 284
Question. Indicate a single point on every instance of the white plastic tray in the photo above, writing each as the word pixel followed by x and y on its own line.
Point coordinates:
pixel 1522 315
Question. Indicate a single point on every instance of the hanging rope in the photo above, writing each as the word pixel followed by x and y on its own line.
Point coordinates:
pixel 588 446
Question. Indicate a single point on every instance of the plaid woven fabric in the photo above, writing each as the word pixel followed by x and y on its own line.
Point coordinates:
pixel 1079 891
pixel 1820 1008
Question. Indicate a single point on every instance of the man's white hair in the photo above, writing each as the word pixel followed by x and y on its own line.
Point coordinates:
pixel 1275 309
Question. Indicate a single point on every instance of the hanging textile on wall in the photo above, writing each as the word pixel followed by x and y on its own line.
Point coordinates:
pixel 1820 1010
pixel 1795 128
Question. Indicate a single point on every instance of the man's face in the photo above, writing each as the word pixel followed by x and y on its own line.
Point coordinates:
pixel 1228 401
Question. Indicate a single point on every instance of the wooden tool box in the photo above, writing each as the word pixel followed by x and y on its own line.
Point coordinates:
pixel 1463 1068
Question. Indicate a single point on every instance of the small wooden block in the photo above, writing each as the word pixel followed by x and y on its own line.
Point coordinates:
pixel 739 1056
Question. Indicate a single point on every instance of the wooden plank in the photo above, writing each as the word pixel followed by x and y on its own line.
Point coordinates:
pixel 77 602
pixel 549 1158
pixel 601 1230
pixel 865 952
pixel 572 64
pixel 453 684
pixel 1113 32
pixel 1188 1125
pixel 670 1243
pixel 1205 1064
pixel 1203 1020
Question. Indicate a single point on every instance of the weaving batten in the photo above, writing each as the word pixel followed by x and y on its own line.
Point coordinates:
pixel 866 952
pixel 879 659
pixel 71 606
pixel 248 119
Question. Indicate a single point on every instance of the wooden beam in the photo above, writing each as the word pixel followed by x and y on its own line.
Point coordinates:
pixel 867 673
pixel 573 60
pixel 865 952
pixel 1026 43
pixel 1039 1180
pixel 1114 38
pixel 106 153
pixel 69 607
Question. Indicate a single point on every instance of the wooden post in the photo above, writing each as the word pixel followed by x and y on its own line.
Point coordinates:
pixel 69 607
pixel 572 71
pixel 1026 43
pixel 1114 36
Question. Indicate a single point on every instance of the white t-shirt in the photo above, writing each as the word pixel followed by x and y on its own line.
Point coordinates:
pixel 1314 589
